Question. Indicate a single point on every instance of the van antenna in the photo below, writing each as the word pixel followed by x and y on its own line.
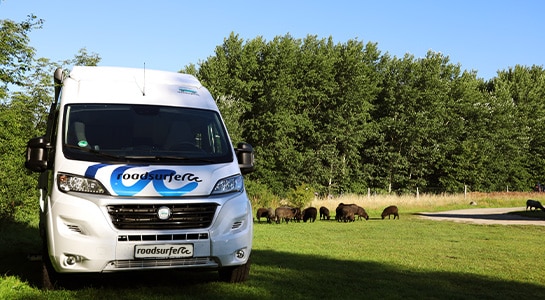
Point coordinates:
pixel 144 87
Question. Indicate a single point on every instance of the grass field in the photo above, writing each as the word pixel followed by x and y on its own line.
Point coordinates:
pixel 409 258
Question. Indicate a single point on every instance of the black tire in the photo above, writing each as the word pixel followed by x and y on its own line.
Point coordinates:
pixel 50 278
pixel 235 274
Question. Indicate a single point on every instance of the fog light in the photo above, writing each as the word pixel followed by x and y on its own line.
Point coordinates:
pixel 240 254
pixel 70 260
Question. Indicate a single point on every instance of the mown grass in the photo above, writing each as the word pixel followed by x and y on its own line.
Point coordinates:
pixel 409 258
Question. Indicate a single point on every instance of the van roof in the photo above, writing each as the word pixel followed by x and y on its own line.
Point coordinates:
pixel 136 86
pixel 95 73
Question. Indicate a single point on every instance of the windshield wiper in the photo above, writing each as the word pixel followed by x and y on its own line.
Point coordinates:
pixel 147 158
pixel 93 151
pixel 169 157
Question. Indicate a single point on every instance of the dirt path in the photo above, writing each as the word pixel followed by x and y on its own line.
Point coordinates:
pixel 484 216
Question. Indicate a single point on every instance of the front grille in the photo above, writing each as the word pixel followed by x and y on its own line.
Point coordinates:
pixel 163 237
pixel 144 216
pixel 157 263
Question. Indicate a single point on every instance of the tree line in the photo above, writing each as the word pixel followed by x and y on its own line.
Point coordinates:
pixel 330 117
pixel 345 117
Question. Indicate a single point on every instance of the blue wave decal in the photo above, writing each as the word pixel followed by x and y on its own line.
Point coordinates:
pixel 157 177
pixel 91 171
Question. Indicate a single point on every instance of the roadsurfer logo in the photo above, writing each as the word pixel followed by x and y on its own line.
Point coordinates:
pixel 188 91
pixel 166 182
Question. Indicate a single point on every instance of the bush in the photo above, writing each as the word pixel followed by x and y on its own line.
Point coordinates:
pixel 260 195
pixel 301 196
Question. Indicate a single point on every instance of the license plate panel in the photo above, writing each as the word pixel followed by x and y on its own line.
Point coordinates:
pixel 164 251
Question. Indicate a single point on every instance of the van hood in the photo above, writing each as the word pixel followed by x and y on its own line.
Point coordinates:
pixel 159 180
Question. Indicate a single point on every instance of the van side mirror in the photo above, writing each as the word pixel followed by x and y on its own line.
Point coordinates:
pixel 37 153
pixel 245 157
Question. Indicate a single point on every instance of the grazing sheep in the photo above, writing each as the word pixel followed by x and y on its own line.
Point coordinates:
pixel 309 213
pixel 534 204
pixel 262 213
pixel 347 214
pixel 298 215
pixel 339 212
pixel 390 210
pixel 271 215
pixel 361 213
pixel 357 210
pixel 324 213
pixel 285 213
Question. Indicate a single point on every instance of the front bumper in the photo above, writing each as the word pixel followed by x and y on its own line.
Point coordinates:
pixel 81 237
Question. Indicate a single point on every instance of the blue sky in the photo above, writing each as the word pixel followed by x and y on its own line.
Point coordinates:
pixel 485 36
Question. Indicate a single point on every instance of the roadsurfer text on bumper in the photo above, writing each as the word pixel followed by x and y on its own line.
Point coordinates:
pixel 163 251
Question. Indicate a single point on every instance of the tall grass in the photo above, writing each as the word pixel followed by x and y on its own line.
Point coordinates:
pixel 430 202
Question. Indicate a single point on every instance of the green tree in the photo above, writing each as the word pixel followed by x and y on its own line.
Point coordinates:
pixel 15 53
pixel 414 120
pixel 83 58
pixel 304 105
pixel 24 116
pixel 467 141
pixel 343 118
pixel 521 90
pixel 232 78
pixel 16 60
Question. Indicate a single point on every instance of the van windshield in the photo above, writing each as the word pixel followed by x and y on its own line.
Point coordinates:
pixel 147 133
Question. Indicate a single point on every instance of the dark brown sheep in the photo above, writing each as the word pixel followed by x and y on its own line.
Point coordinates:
pixel 284 213
pixel 324 213
pixel 362 213
pixel 534 204
pixel 262 213
pixel 339 212
pixel 266 213
pixel 390 210
pixel 298 215
pixel 357 210
pixel 347 214
pixel 309 213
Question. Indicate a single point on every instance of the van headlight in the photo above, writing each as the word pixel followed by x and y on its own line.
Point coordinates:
pixel 74 183
pixel 229 185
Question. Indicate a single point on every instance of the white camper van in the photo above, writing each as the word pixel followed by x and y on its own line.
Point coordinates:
pixel 138 172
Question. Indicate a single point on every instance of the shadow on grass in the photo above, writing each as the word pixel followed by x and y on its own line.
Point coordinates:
pixel 280 275
pixel 533 214
pixel 20 256
pixel 478 214
pixel 19 245
pixel 302 275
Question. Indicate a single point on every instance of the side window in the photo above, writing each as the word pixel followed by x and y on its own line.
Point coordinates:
pixel 52 123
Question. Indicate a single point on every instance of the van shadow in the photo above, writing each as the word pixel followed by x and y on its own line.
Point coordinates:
pixel 20 251
pixel 20 256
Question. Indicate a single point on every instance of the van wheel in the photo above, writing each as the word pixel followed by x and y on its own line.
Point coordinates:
pixel 235 274
pixel 51 280
pixel 50 277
